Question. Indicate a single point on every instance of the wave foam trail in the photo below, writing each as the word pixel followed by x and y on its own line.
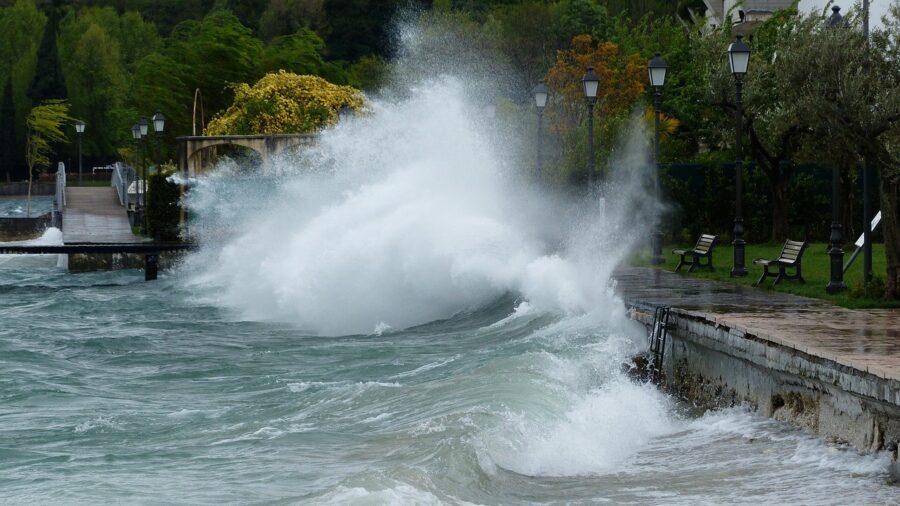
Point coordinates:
pixel 402 216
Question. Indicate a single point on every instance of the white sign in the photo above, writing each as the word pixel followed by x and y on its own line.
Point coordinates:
pixel 875 221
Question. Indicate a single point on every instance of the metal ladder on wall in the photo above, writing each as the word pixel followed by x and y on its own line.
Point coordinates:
pixel 659 332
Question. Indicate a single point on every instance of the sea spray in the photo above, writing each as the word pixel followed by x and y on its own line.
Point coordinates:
pixel 400 217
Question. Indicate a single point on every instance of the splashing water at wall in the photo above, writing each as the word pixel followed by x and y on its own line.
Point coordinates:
pixel 185 390
pixel 410 213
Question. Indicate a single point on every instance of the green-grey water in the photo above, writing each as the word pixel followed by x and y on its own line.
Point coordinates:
pixel 399 314
pixel 113 390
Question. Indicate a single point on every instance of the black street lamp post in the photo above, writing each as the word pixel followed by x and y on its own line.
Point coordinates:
pixel 159 123
pixel 144 125
pixel 139 206
pixel 591 83
pixel 739 60
pixel 79 130
pixel 657 71
pixel 836 252
pixel 540 100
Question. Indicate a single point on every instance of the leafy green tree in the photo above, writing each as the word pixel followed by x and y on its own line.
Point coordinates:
pixel 48 83
pixel 7 131
pixel 21 27
pixel 285 103
pixel 359 27
pixel 217 50
pixel 530 34
pixel 44 129
pixel 580 16
pixel 368 73
pixel 97 87
pixel 851 109
pixel 284 17
pixel 247 11
pixel 159 83
pixel 301 53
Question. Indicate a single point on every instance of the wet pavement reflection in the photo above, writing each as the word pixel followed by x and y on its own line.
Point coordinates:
pixel 868 340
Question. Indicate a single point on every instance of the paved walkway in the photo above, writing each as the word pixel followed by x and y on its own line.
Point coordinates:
pixel 93 215
pixel 867 340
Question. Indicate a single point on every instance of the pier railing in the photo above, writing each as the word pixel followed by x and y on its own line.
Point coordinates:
pixel 59 203
pixel 122 177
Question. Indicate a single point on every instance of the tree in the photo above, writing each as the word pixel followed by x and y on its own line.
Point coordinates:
pixel 97 87
pixel 44 129
pixel 7 131
pixel 217 51
pixel 301 53
pixel 48 84
pixel 21 27
pixel 160 83
pixel 530 33
pixel 284 17
pixel 285 103
pixel 622 80
pixel 359 27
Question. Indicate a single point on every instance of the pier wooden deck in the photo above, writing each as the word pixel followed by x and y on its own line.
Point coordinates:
pixel 93 215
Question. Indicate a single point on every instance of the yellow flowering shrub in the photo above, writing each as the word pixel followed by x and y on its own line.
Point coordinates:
pixel 284 103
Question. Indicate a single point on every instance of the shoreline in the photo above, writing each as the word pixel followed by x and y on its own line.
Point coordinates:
pixel 829 371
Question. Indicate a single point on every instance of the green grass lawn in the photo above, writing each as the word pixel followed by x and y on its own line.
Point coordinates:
pixel 816 272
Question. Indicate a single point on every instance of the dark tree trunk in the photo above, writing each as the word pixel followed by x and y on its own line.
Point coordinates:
pixel 890 221
pixel 779 208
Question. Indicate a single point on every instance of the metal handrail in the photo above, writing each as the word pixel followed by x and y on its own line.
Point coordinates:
pixel 61 186
pixel 121 179
pixel 59 201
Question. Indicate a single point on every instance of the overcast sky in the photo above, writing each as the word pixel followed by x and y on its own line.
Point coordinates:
pixel 877 8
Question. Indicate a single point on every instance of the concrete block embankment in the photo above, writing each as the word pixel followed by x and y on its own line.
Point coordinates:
pixel 831 371
pixel 21 228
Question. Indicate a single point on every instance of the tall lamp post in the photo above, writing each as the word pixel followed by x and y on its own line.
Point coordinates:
pixel 139 206
pixel 79 130
pixel 739 59
pixel 657 71
pixel 591 83
pixel 159 123
pixel 540 100
pixel 836 252
pixel 867 168
pixel 145 131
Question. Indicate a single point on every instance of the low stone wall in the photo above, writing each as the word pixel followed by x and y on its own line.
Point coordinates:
pixel 114 261
pixel 713 366
pixel 21 229
pixel 21 188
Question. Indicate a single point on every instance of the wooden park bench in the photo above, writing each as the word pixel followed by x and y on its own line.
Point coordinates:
pixel 703 249
pixel 791 255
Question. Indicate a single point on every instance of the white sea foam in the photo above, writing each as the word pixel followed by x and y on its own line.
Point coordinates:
pixel 402 217
pixel 50 237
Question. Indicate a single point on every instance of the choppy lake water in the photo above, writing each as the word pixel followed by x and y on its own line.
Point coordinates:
pixel 113 390
pixel 17 207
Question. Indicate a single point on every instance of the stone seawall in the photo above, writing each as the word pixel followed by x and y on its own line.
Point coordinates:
pixel 829 370
pixel 713 364
pixel 21 228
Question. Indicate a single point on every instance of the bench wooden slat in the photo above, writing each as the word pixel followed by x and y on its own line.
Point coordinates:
pixel 790 256
pixel 702 249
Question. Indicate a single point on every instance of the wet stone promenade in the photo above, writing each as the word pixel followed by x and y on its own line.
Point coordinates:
pixel 865 340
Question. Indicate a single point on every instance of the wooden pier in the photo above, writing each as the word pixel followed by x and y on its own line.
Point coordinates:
pixel 94 215
pixel 95 223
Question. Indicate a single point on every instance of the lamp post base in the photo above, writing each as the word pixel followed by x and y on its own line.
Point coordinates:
pixel 835 287
pixel 836 283
pixel 739 270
